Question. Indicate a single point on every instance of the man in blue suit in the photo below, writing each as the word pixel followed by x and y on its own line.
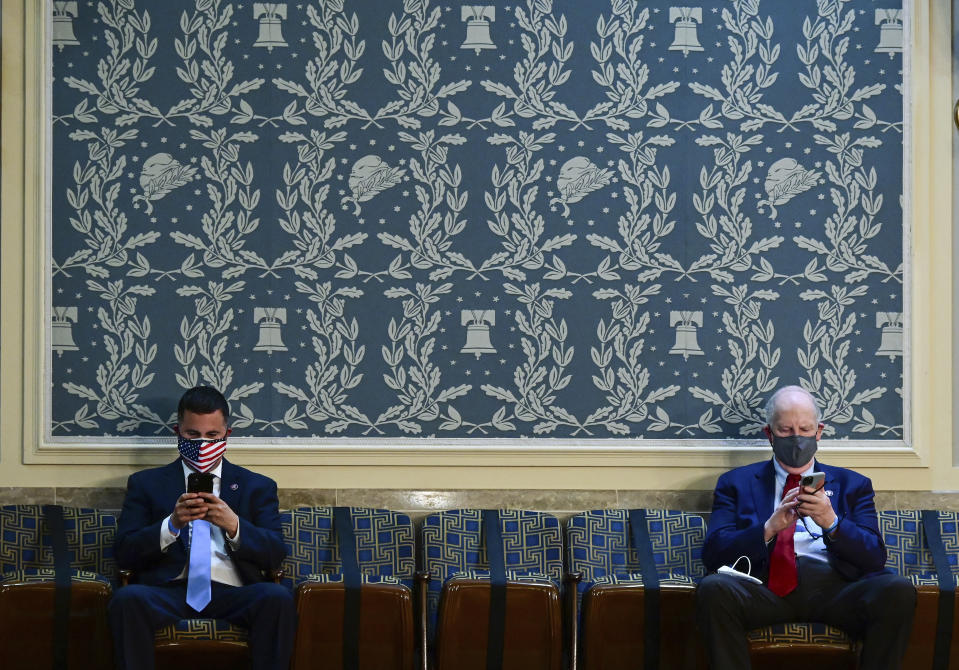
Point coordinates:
pixel 201 554
pixel 817 550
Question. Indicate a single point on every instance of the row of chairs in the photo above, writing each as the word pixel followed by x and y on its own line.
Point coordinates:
pixel 496 588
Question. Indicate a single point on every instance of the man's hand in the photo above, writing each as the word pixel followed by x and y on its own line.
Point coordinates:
pixel 219 514
pixel 784 516
pixel 817 506
pixel 189 506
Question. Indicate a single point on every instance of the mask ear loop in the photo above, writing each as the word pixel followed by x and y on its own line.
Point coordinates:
pixel 749 565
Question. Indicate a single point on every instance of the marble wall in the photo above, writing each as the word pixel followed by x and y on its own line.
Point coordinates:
pixel 419 503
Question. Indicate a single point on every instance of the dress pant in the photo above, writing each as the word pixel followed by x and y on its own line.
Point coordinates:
pixel 265 609
pixel 877 610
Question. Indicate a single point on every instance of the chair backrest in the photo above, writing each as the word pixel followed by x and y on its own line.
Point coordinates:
pixel 453 542
pixel 908 552
pixel 599 543
pixel 384 543
pixel 25 541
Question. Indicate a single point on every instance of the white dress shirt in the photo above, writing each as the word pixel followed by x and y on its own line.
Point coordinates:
pixel 221 565
pixel 804 543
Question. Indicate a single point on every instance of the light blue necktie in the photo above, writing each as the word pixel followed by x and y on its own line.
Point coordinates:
pixel 198 579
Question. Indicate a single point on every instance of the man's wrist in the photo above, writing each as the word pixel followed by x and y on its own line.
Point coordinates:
pixel 173 529
pixel 832 527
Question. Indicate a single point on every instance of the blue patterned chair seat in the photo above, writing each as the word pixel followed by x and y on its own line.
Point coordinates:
pixel 908 554
pixel 385 557
pixel 25 543
pixel 637 580
pixel 455 554
pixel 337 578
pixel 511 575
pixel 205 630
pixel 599 547
pixel 610 597
pixel 27 585
pixel 46 575
pixel 384 544
pixel 799 633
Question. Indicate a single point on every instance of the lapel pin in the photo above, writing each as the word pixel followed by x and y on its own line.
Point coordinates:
pixel 234 487
pixel 828 493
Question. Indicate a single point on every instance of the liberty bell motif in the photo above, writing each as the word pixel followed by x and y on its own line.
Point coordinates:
pixel 270 15
pixel 890 31
pixel 62 29
pixel 269 319
pixel 685 38
pixel 478 18
pixel 477 322
pixel 61 331
pixel 686 322
pixel 890 341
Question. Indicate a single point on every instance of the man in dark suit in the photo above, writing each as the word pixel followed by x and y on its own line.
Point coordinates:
pixel 201 554
pixel 818 550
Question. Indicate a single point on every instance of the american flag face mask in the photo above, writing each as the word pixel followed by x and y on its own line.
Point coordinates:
pixel 202 455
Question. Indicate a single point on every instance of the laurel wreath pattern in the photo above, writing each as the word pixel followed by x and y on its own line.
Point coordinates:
pixel 568 179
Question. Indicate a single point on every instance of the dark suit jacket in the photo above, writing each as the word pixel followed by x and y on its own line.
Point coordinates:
pixel 743 501
pixel 151 495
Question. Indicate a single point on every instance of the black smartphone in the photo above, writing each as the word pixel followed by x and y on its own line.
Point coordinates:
pixel 199 482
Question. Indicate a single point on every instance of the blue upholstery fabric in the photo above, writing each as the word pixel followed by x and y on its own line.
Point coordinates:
pixel 42 575
pixel 384 544
pixel 453 547
pixel 908 553
pixel 796 633
pixel 600 547
pixel 337 578
pixel 384 550
pixel 24 544
pixel 217 630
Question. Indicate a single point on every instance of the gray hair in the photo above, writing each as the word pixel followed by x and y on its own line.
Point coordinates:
pixel 772 405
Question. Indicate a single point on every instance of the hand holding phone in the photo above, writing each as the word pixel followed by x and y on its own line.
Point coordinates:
pixel 814 480
pixel 199 482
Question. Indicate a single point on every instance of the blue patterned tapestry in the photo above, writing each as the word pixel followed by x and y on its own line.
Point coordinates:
pixel 540 219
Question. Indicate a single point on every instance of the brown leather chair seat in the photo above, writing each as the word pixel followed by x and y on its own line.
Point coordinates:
pixel 533 634
pixel 210 644
pixel 314 567
pixel 458 557
pixel 386 624
pixel 26 615
pixel 27 587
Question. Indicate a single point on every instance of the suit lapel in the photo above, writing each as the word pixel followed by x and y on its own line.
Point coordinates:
pixel 229 485
pixel 764 492
pixel 173 487
pixel 832 486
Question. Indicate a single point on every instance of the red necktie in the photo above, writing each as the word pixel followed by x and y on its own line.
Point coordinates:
pixel 782 564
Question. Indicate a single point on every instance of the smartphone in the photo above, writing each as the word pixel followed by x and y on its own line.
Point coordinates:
pixel 199 482
pixel 814 480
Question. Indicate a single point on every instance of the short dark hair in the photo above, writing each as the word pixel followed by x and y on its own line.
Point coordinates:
pixel 203 400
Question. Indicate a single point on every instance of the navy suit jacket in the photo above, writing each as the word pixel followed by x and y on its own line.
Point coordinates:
pixel 743 501
pixel 151 495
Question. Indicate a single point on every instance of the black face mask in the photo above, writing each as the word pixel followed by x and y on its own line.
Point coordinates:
pixel 795 450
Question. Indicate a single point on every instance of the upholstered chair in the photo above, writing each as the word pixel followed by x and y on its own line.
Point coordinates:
pixel 494 588
pixel 56 574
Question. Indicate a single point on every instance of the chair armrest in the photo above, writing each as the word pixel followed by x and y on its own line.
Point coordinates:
pixel 572 580
pixel 125 576
pixel 422 580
